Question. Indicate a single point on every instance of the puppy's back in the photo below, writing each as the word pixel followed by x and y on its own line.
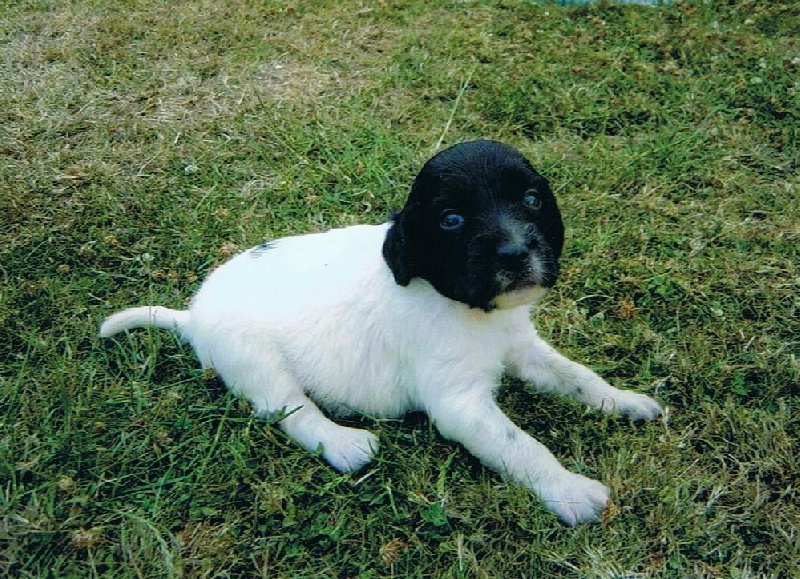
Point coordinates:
pixel 294 276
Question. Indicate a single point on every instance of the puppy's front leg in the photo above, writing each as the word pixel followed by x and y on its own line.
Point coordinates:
pixel 535 361
pixel 474 419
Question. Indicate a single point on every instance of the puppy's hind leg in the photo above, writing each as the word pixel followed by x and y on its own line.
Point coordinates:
pixel 346 449
pixel 275 391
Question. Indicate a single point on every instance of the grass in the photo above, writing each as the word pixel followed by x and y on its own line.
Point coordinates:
pixel 143 142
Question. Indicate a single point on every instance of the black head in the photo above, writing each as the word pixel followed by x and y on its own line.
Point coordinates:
pixel 481 225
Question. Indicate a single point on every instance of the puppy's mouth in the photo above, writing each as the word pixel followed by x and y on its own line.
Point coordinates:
pixel 524 284
pixel 509 281
pixel 535 272
pixel 517 293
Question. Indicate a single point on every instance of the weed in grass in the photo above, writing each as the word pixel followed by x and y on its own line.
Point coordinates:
pixel 141 143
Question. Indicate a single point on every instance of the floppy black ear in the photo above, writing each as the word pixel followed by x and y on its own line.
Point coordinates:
pixel 396 251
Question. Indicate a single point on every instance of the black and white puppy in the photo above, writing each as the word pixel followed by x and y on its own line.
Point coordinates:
pixel 422 313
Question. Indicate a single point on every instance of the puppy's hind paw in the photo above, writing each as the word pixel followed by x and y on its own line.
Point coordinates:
pixel 350 449
pixel 577 499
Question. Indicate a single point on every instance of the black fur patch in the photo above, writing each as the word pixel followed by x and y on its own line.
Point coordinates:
pixel 260 250
pixel 485 182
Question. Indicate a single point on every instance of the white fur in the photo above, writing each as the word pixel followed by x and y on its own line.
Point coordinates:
pixel 319 321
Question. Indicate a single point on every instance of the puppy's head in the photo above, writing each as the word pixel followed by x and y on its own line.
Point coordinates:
pixel 481 225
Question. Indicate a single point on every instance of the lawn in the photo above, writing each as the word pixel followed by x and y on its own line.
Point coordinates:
pixel 144 142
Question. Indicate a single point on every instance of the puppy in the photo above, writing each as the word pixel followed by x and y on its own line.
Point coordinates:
pixel 423 313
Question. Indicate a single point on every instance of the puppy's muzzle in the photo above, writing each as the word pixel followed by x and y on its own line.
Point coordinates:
pixel 515 267
pixel 514 257
pixel 524 263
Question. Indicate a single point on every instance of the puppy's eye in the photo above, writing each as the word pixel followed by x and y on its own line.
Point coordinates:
pixel 532 201
pixel 450 220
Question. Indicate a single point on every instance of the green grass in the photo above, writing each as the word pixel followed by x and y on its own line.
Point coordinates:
pixel 143 142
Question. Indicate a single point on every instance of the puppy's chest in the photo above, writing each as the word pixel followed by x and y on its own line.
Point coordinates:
pixel 389 369
pixel 352 373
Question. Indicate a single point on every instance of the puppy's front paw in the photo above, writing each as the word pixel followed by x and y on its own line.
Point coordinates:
pixel 633 405
pixel 576 499
pixel 349 449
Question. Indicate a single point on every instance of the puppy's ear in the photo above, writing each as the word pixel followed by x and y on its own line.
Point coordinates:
pixel 396 250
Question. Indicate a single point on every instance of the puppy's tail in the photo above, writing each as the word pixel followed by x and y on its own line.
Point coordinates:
pixel 157 316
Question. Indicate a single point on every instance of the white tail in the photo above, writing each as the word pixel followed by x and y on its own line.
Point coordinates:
pixel 158 316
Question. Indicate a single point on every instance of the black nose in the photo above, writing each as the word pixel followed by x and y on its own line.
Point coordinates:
pixel 513 255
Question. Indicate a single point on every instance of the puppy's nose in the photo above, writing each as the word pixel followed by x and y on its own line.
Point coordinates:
pixel 513 255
